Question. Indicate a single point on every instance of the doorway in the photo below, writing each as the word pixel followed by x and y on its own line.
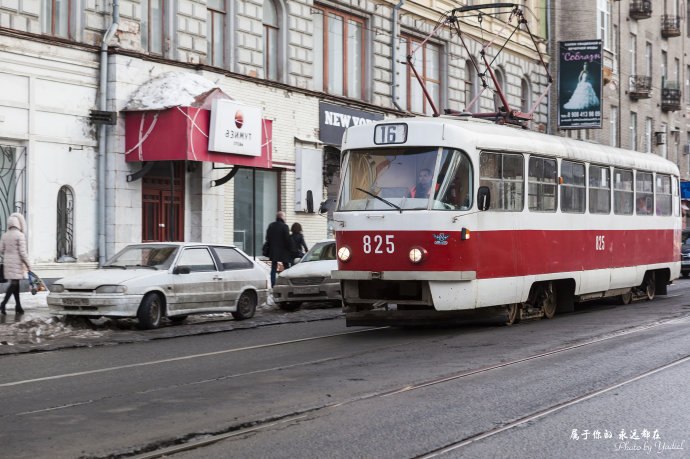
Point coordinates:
pixel 162 202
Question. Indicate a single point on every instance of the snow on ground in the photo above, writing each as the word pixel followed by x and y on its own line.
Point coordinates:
pixel 38 329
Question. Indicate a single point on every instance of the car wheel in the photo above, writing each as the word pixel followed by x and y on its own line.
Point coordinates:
pixel 246 306
pixel 177 319
pixel 150 311
pixel 290 305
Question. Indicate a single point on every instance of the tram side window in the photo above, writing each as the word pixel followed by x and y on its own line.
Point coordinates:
pixel 599 190
pixel 644 198
pixel 503 174
pixel 622 192
pixel 664 198
pixel 676 198
pixel 573 190
pixel 542 184
pixel 454 183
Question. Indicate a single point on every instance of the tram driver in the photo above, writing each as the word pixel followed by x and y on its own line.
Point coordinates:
pixel 423 186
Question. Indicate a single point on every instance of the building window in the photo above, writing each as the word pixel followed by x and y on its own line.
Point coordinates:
pixel 215 32
pixel 633 131
pixel 648 125
pixel 613 141
pixel 471 86
pixel 604 22
pixel 338 62
pixel 498 104
pixel 525 96
pixel 65 225
pixel 426 61
pixel 614 48
pixel 664 148
pixel 648 59
pixel 664 68
pixel 633 54
pixel 55 17
pixel 271 37
pixel 152 12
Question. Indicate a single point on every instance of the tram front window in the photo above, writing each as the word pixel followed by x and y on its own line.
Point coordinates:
pixel 406 179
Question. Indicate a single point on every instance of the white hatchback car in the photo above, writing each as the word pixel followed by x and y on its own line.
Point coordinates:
pixel 173 279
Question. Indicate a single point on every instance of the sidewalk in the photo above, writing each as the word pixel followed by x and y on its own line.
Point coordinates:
pixel 38 330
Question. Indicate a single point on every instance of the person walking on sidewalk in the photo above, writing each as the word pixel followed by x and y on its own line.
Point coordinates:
pixel 279 244
pixel 15 258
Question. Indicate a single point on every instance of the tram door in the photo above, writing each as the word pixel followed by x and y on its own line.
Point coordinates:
pixel 163 204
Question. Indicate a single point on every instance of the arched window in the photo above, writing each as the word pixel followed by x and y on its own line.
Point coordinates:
pixel 501 83
pixel 525 96
pixel 471 87
pixel 65 224
pixel 271 40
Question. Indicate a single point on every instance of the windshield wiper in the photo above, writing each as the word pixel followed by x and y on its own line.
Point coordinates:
pixel 380 199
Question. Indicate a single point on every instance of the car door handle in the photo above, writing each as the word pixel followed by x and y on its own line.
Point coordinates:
pixel 217 278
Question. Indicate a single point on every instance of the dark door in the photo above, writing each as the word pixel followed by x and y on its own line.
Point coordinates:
pixel 160 221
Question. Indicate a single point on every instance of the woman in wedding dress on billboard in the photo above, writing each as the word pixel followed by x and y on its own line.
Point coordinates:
pixel 584 95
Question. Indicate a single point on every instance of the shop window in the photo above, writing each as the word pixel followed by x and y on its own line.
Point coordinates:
pixel 255 207
pixel 65 225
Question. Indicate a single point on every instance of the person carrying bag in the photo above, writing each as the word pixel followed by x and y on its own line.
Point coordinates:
pixel 15 259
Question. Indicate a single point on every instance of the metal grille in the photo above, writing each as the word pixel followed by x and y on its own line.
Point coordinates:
pixel 307 280
pixel 65 224
pixel 12 182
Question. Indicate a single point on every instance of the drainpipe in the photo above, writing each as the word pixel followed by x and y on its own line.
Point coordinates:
pixel 551 47
pixel 102 105
pixel 395 53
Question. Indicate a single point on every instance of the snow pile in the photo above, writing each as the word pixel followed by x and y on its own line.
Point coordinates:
pixel 169 89
pixel 36 328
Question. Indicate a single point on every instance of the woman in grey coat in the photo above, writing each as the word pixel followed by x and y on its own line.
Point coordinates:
pixel 15 258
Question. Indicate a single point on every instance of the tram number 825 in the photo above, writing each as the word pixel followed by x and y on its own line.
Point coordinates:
pixel 377 245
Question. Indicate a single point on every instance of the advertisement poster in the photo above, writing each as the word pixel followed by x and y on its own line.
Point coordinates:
pixel 579 84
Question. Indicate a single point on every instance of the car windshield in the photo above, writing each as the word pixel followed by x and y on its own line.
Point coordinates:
pixel 398 179
pixel 320 251
pixel 144 256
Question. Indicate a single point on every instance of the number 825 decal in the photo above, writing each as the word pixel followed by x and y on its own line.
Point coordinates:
pixel 378 244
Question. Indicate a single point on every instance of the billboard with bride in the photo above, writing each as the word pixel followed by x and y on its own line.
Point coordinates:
pixel 579 84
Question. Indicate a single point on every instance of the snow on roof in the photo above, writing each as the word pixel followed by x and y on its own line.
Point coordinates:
pixel 169 89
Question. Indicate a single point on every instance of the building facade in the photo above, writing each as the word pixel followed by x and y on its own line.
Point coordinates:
pixel 84 162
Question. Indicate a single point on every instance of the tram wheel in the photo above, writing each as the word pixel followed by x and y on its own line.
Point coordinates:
pixel 547 300
pixel 625 298
pixel 649 286
pixel 513 311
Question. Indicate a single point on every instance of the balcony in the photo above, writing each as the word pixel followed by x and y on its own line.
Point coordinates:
pixel 670 96
pixel 640 87
pixel 640 9
pixel 670 26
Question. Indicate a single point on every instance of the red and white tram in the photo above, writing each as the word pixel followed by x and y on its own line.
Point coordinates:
pixel 524 223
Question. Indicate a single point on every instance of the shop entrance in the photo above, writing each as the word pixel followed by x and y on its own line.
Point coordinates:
pixel 162 202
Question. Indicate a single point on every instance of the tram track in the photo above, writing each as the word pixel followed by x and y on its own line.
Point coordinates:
pixel 199 440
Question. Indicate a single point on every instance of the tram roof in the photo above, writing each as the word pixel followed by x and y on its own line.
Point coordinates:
pixel 485 135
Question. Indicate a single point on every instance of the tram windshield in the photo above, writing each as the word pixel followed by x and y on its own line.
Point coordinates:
pixel 405 179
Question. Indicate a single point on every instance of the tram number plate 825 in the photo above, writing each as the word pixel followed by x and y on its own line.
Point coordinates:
pixel 378 244
pixel 385 134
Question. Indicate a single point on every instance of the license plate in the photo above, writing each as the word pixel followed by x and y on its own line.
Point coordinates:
pixel 75 301
pixel 307 290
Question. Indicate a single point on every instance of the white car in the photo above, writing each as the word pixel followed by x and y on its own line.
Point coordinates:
pixel 173 279
pixel 310 279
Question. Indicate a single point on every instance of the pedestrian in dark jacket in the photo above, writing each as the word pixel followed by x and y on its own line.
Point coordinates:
pixel 14 258
pixel 298 240
pixel 279 245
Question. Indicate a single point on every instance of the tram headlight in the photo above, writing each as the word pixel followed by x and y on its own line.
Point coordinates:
pixel 344 254
pixel 417 255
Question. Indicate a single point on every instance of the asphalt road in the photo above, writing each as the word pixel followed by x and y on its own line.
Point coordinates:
pixel 319 389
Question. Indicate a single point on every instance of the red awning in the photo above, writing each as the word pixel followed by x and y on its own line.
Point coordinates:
pixel 181 133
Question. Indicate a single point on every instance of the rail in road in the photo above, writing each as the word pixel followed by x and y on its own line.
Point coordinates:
pixel 191 444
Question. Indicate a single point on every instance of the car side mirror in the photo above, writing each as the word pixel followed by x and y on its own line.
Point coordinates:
pixel 483 198
pixel 181 270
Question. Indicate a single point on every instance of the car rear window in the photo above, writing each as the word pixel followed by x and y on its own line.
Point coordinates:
pixel 232 259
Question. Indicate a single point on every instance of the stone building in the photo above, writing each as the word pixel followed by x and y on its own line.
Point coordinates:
pixel 107 108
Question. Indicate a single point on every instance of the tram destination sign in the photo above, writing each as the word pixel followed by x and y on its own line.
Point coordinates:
pixel 579 84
